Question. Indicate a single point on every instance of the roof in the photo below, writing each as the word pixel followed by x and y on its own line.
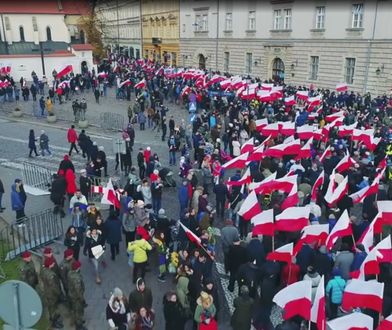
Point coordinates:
pixel 60 7
pixel 24 48
pixel 79 47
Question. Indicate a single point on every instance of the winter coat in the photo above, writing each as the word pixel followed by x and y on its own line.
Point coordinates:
pixel 92 242
pixel 113 230
pixel 242 316
pixel 183 292
pixel 70 179
pixel 236 257
pixel 58 190
pixel 335 289
pixel 139 249
pixel 32 141
pixel 236 148
pixel 1 187
pixel 17 200
pixel 139 299
pixel 315 279
pixel 117 316
pixel 343 261
pixel 228 235
pixel 183 196
pixel 72 136
pixel 174 315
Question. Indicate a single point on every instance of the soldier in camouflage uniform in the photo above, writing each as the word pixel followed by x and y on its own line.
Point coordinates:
pixel 48 253
pixel 52 292
pixel 76 295
pixel 65 267
pixel 28 273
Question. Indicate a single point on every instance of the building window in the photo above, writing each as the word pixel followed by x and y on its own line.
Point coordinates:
pixel 35 25
pixel 349 70
pixel 229 22
pixel 277 19
pixel 226 61
pixel 357 16
pixel 248 63
pixel 287 19
pixel 137 53
pixel 252 21
pixel 7 23
pixel 314 67
pixel 48 34
pixel 320 17
pixel 21 33
pixel 201 24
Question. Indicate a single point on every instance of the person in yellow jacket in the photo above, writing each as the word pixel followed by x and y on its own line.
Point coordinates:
pixel 49 105
pixel 139 247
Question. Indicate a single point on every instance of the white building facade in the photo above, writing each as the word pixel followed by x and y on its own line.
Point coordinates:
pixel 322 42
pixel 121 25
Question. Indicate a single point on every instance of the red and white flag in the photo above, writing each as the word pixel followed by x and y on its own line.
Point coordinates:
pixel 317 314
pixel 267 87
pixel 246 178
pixel 385 207
pixel 109 196
pixel 256 185
pixel 284 184
pixel 342 87
pixel 293 218
pixel 295 299
pixel 248 93
pixel 302 95
pixel 327 153
pixel 237 162
pixel 250 206
pixel 342 228
pixel 5 69
pixel 97 189
pixel 284 149
pixel 386 324
pixel 312 234
pixel 367 237
pixel 287 128
pixel 257 154
pixel 305 132
pixel 263 223
pixel 191 236
pixel 260 123
pixel 337 115
pixel 283 254
pixel 125 83
pixel 353 321
pixel 345 163
pixel 304 152
pixel 291 199
pixel 338 193
pixel 360 195
pixel 67 70
pixel 346 130
pixel 248 146
pixel 102 75
pixel 270 129
pixel 160 71
pixel 363 294
pixel 289 101
pixel 225 83
pixel 317 185
pixel 141 84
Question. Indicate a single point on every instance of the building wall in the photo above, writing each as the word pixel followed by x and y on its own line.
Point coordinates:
pixel 333 44
pixel 121 21
pixel 160 30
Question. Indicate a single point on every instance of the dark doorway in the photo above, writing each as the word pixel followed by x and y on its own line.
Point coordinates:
pixel 278 69
pixel 202 62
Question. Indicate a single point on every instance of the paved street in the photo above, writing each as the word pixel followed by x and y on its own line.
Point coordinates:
pixel 14 151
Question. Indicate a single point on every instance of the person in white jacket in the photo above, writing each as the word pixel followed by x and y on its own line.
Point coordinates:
pixel 118 314
pixel 314 277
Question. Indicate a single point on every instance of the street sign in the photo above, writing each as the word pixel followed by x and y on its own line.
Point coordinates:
pixel 24 307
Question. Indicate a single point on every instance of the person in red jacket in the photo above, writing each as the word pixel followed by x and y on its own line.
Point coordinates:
pixel 72 137
pixel 147 155
pixel 71 183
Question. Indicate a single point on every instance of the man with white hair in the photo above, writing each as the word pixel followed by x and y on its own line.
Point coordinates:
pixel 44 143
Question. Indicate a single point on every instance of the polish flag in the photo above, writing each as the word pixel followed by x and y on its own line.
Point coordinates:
pixel 5 69
pixel 341 229
pixel 367 237
pixel 248 146
pixel 64 84
pixel 316 186
pixel 317 313
pixel 200 82
pixel 237 162
pixel 191 236
pixel 385 207
pixel 267 87
pixel 346 130
pixel 284 149
pixel 160 71
pixel 327 153
pixel 240 90
pixel 338 193
pixel 257 154
pixel 382 164
pixel 314 101
pixel 295 299
pixel 334 116
pixel 270 129
pixel 353 321
pixel 302 95
pixel 373 143
pixel 263 223
pixel 341 87
pixel 260 123
pixel 360 195
pixel 246 178
pixel 237 83
pixel 287 128
pixel 67 70
pixel 102 75
pixel 225 83
pixel 345 163
pixel 277 92
pixel 249 94
pixel 284 254
pixel 257 185
pixel 292 198
pixel 311 234
pixel 140 84
pixel 293 218
pixel 386 324
pixel 304 152
pixel 289 101
pixel 97 189
pixel 363 294
pixel 109 196
pixel 305 132
pixel 284 184
pixel 125 83
pixel 264 96
pixel 250 206
pixel 364 136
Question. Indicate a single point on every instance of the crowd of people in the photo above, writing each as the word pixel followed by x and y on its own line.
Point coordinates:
pixel 234 148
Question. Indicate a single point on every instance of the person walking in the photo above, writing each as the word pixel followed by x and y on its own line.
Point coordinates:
pixel 72 241
pixel 65 268
pixel 113 228
pixel 172 150
pixel 76 295
pixel 243 307
pixel 72 137
pixel 44 143
pixel 173 312
pixel 1 196
pixel 94 238
pixel 117 311
pixel 140 297
pixel 139 247
pixel 32 145
pixel 27 271
pixel 18 199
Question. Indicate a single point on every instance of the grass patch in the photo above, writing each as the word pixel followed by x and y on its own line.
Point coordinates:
pixel 11 270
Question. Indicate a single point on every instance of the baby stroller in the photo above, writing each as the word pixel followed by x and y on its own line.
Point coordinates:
pixel 167 177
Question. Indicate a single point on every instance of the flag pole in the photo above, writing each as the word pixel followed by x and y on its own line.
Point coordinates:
pixel 352 236
pixel 273 243
pixel 289 277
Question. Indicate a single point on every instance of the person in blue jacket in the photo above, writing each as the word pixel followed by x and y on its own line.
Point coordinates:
pixel 18 199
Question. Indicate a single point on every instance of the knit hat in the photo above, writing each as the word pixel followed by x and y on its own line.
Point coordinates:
pixel 76 265
pixel 117 293
pixel 26 254
pixel 49 262
pixel 48 250
pixel 161 212
pixel 68 253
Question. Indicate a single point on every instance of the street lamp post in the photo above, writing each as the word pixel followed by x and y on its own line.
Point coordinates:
pixel 42 50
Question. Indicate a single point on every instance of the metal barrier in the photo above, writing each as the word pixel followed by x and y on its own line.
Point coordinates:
pixel 36 176
pixel 29 233
pixel 112 121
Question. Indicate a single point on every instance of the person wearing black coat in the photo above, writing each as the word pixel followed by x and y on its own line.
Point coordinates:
pixel 66 164
pixel 221 194
pixel 113 237
pixel 322 262
pixel 249 274
pixel 57 194
pixel 237 256
pixel 82 139
pixel 210 287
pixel 173 312
pixel 84 183
pixel 32 145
